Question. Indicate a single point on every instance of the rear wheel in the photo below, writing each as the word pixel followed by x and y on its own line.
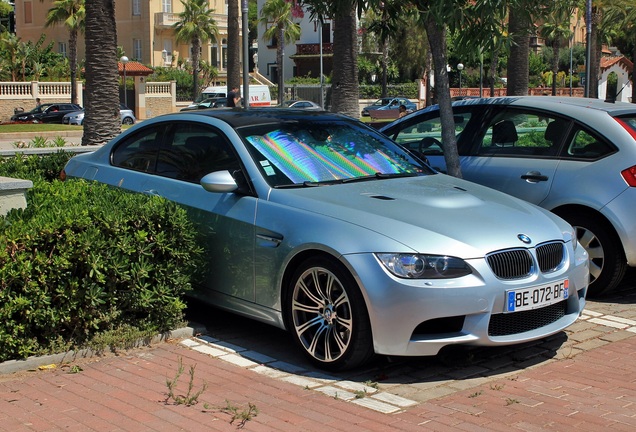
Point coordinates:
pixel 127 121
pixel 607 259
pixel 327 315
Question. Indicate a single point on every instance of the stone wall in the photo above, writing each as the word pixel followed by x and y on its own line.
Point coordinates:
pixel 22 95
pixel 13 194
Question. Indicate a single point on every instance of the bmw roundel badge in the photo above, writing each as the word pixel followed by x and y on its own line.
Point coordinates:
pixel 524 238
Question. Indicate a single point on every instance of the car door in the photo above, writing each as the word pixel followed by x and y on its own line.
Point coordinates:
pixel 516 152
pixel 173 161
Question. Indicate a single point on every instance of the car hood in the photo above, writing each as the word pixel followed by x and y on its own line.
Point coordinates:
pixel 432 214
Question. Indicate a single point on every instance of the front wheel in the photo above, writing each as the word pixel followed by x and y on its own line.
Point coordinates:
pixel 327 315
pixel 127 121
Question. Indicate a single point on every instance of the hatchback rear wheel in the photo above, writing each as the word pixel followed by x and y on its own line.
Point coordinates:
pixel 607 259
pixel 327 315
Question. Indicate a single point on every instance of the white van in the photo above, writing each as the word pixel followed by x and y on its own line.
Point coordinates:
pixel 259 95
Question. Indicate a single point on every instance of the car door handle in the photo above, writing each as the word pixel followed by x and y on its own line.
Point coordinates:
pixel 534 177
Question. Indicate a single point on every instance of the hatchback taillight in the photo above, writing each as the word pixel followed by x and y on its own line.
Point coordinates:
pixel 629 175
pixel 628 128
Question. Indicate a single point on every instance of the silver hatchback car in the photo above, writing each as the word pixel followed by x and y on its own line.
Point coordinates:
pixel 318 224
pixel 573 156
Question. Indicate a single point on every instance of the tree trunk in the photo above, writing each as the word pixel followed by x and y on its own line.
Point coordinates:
pixel 492 73
pixel 196 48
pixel 280 58
pixel 595 53
pixel 518 61
pixel 385 61
pixel 102 121
pixel 233 46
pixel 555 65
pixel 72 54
pixel 437 41
pixel 345 92
pixel 633 74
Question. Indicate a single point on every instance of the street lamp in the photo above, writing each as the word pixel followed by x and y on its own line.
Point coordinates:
pixel 124 60
pixel 460 68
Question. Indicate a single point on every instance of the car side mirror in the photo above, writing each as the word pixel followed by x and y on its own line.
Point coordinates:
pixel 219 182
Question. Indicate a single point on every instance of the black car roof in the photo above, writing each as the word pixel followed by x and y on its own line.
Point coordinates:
pixel 238 117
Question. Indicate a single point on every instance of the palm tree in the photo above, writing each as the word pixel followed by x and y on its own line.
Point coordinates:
pixel 71 13
pixel 555 29
pixel 11 46
pixel 276 16
pixel 519 25
pixel 233 46
pixel 196 26
pixel 102 121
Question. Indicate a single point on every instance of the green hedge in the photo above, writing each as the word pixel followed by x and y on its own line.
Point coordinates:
pixel 84 259
pixel 35 167
pixel 373 91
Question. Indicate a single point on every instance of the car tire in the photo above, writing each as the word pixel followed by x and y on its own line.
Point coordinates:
pixel 607 258
pixel 127 121
pixel 327 316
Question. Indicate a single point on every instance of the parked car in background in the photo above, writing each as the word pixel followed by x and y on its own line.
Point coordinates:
pixel 211 103
pixel 573 156
pixel 388 107
pixel 46 113
pixel 319 224
pixel 301 104
pixel 77 117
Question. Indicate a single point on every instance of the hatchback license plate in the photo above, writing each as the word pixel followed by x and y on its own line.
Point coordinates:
pixel 536 297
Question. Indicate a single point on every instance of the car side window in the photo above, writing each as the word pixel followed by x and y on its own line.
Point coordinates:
pixel 139 152
pixel 425 137
pixel 586 146
pixel 514 133
pixel 195 151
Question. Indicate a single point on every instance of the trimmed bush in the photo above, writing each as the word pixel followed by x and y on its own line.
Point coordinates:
pixel 83 259
pixel 35 167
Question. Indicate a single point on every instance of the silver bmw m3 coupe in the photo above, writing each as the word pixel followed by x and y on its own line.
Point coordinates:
pixel 318 224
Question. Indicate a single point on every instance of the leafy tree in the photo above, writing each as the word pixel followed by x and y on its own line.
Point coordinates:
pixel 276 16
pixel 10 44
pixel 196 26
pixel 624 17
pixel 5 12
pixel 102 121
pixel 71 14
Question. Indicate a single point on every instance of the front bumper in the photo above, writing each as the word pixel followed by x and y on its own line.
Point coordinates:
pixel 420 317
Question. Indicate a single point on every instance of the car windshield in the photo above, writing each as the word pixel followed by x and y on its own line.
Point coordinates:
pixel 316 153
pixel 382 102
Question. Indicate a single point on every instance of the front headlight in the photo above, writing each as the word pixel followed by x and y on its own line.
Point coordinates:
pixel 418 266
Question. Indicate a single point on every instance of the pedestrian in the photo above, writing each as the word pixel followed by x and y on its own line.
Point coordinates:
pixel 38 103
pixel 233 97
pixel 402 111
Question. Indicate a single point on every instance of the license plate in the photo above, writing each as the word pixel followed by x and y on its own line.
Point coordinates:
pixel 533 298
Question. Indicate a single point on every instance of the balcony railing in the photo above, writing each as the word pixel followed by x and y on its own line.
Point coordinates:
pixel 166 19
pixel 314 49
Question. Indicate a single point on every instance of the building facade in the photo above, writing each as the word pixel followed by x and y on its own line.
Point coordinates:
pixel 144 31
pixel 303 57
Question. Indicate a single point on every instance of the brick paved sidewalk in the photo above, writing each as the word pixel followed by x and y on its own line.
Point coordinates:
pixel 595 390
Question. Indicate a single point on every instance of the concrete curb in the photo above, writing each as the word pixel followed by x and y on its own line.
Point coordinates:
pixel 32 363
